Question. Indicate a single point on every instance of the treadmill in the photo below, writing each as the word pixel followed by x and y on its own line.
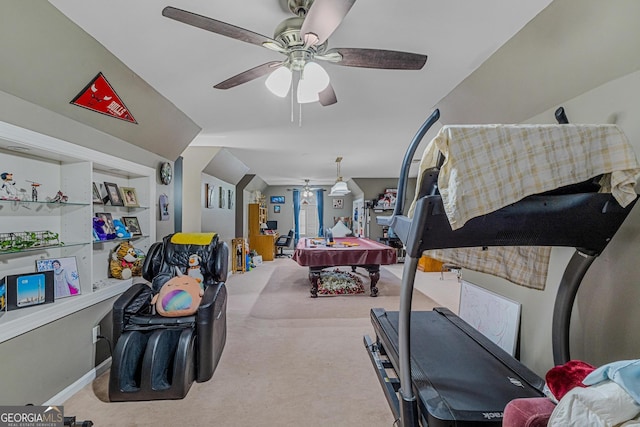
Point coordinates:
pixel 434 368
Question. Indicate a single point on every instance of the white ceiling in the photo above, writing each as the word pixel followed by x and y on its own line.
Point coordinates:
pixel 377 113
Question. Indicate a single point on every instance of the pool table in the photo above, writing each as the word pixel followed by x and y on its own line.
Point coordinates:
pixel 345 251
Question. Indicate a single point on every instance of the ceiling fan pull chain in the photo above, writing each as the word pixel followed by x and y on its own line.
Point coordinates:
pixel 299 115
pixel 291 93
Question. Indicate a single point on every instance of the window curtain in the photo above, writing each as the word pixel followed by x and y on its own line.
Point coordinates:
pixel 320 204
pixel 296 216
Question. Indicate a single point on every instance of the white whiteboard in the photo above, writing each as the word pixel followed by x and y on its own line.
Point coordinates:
pixel 495 316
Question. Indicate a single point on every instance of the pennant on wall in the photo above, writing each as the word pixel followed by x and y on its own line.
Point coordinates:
pixel 99 96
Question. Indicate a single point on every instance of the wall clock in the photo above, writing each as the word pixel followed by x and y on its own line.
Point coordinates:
pixel 166 173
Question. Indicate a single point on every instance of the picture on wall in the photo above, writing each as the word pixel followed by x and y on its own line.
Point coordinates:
pixel 163 203
pixel 277 199
pixel 209 196
pixel 222 202
pixel 276 209
pixel 66 280
pixel 338 203
pixel 230 199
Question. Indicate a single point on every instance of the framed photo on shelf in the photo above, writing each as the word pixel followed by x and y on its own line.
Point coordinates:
pixel 276 208
pixel 26 290
pixel 109 227
pixel 66 280
pixel 113 193
pixel 129 197
pixel 132 224
pixel 97 198
pixel 3 297
pixel 277 199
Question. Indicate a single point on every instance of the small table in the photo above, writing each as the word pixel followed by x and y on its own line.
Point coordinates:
pixel 351 251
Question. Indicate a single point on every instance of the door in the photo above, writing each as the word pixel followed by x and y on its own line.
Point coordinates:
pixel 308 220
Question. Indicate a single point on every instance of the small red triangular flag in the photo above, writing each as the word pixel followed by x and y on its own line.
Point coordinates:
pixel 100 97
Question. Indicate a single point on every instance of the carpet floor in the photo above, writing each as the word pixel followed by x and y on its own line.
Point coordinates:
pixel 290 360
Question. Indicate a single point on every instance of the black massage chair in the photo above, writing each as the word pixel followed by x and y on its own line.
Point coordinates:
pixel 159 357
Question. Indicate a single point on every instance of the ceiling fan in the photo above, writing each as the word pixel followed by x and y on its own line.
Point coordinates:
pixel 307 193
pixel 303 40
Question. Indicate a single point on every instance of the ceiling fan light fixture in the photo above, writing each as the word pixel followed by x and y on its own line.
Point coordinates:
pixel 279 82
pixel 313 80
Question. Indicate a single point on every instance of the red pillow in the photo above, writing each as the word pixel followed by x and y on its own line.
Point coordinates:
pixel 562 378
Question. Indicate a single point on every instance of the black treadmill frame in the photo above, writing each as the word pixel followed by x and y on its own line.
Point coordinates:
pixel 548 219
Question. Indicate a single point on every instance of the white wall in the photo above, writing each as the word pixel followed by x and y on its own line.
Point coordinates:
pixel 606 317
pixel 218 219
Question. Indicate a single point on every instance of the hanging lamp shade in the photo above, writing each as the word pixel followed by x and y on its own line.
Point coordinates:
pixel 314 80
pixel 340 188
pixel 279 82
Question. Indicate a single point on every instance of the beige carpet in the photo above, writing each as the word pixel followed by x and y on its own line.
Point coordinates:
pixel 290 360
pixel 287 296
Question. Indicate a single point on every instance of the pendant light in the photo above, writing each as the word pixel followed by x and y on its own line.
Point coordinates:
pixel 340 188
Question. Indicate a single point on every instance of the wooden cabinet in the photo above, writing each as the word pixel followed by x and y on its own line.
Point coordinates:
pixel 58 165
pixel 257 216
pixel 263 244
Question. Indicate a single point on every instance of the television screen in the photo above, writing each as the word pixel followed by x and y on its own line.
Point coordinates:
pixel 272 225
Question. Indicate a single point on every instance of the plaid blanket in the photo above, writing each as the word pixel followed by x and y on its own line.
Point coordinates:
pixel 488 167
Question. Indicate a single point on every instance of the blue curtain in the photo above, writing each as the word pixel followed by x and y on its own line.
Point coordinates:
pixel 296 215
pixel 320 203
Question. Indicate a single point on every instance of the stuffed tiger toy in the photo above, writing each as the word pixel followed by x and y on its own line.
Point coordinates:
pixel 125 262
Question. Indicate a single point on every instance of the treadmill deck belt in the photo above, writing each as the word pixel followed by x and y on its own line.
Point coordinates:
pixel 457 373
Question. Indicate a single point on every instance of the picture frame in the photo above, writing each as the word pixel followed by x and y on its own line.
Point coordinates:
pixel 209 196
pixel 109 227
pixel 163 204
pixel 97 198
pixel 221 198
pixel 276 208
pixel 66 280
pixel 277 199
pixel 129 197
pixel 338 203
pixel 29 289
pixel 230 199
pixel 3 297
pixel 132 224
pixel 113 194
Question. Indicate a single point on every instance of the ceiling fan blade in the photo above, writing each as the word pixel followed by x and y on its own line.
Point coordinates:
pixel 216 26
pixel 378 58
pixel 327 96
pixel 323 18
pixel 249 75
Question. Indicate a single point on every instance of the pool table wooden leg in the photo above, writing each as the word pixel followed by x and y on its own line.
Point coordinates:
pixel 374 276
pixel 314 278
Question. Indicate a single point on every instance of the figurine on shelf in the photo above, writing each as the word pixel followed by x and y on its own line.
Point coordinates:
pixel 34 190
pixel 8 190
pixel 59 198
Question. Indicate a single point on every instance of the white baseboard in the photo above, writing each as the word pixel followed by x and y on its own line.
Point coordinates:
pixel 60 398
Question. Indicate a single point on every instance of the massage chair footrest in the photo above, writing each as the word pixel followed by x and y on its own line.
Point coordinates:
pixel 152 365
